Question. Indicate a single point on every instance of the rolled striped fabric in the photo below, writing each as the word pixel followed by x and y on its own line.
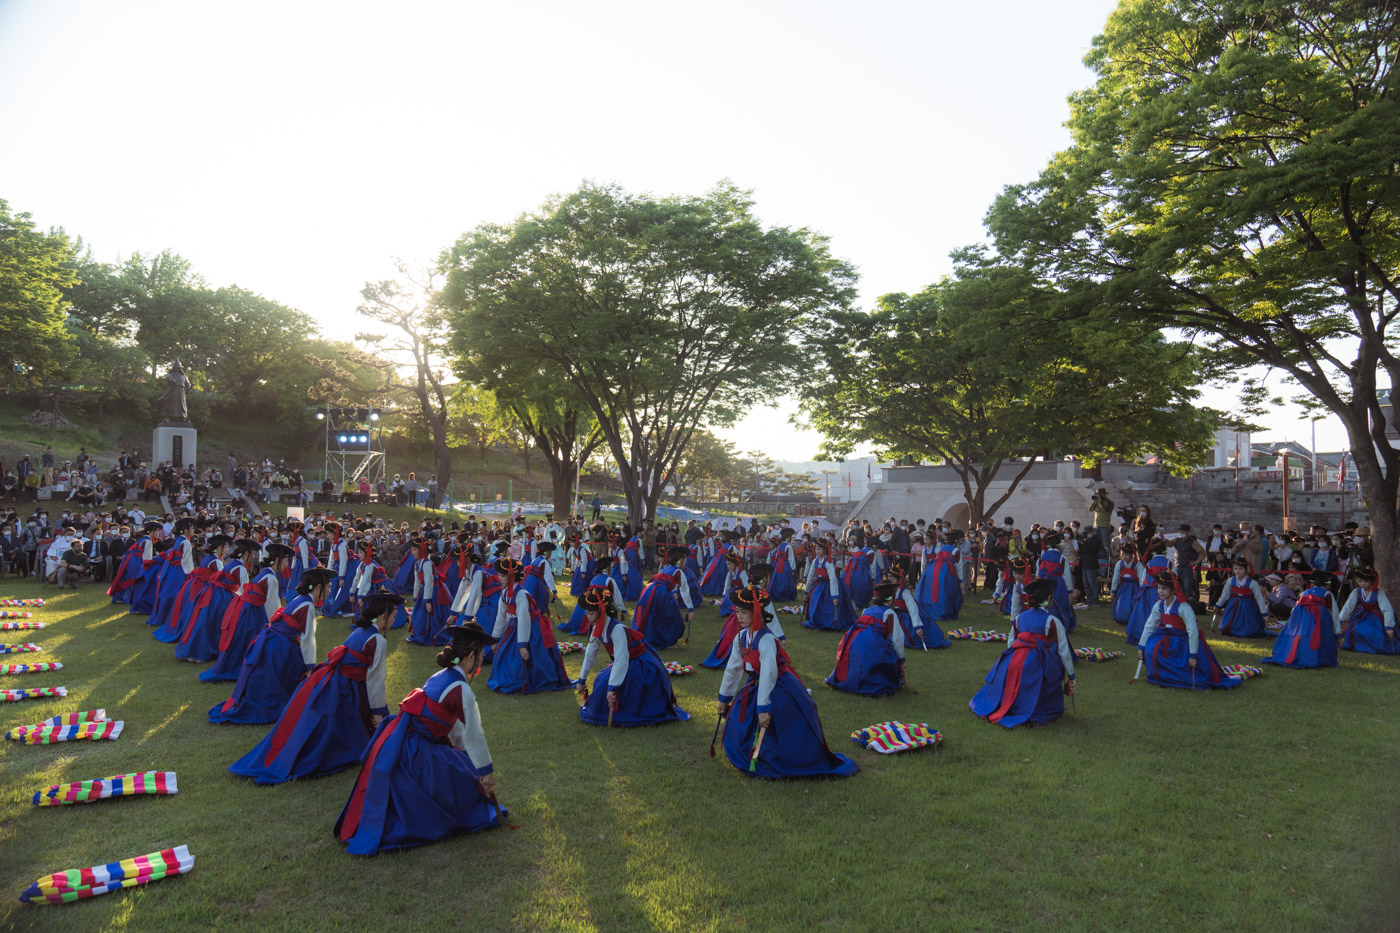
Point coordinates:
pixel 64 887
pixel 677 669
pixel 32 693
pixel 894 736
pixel 20 626
pixel 18 649
pixel 35 603
pixel 39 667
pixel 967 634
pixel 123 785
pixel 1096 654
pixel 50 735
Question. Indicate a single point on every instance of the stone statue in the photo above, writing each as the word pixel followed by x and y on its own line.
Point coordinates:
pixel 172 404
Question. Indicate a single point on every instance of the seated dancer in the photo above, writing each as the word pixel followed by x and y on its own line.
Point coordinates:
pixel 581 559
pixel 783 586
pixel 774 730
pixel 870 657
pixel 1122 593
pixel 918 631
pixel 329 719
pixel 342 560
pixel 139 556
pixel 370 577
pixel 719 654
pixel 1309 637
pixel 248 614
pixel 716 571
pixel 665 603
pixel 143 594
pixel 1368 621
pixel 577 624
pixel 823 590
pixel 539 577
pixel 199 640
pixel 527 659
pixel 1243 604
pixel 196 581
pixel 1027 683
pixel 939 592
pixel 279 656
pixel 634 690
pixel 856 581
pixel 1173 652
pixel 427 773
pixel 627 569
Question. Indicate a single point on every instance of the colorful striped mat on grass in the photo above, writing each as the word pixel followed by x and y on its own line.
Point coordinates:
pixel 122 785
pixel 32 693
pixel 12 603
pixel 38 667
pixel 569 647
pixel 1095 654
pixel 19 626
pixel 1242 671
pixel 15 614
pixel 967 634
pixel 894 736
pixel 64 887
pixel 19 649
pixel 88 724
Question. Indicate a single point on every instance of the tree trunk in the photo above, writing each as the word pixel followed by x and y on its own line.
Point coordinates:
pixel 563 491
pixel 1379 491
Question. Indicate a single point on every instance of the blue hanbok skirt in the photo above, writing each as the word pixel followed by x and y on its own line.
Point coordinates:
pixel 1303 643
pixel 171 580
pixel 820 613
pixel 143 594
pixel 1124 601
pixel 200 639
pixel 229 664
pixel 1241 618
pixel 177 618
pixel 645 697
pixel 1025 685
pixel 782 587
pixel 1365 632
pixel 413 789
pixel 1144 598
pixel 544 671
pixel 664 621
pixel 794 745
pixel 1166 663
pixel 871 665
pixel 428 624
pixel 272 669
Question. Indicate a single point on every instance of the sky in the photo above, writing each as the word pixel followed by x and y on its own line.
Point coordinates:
pixel 296 149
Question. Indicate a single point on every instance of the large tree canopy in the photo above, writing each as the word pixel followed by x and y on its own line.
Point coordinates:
pixel 663 313
pixel 35 268
pixel 974 372
pixel 1235 173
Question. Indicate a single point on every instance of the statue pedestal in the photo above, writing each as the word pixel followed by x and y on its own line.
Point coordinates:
pixel 174 441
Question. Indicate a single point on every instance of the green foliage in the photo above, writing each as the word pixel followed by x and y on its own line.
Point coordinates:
pixel 35 268
pixel 1235 174
pixel 663 313
pixel 979 370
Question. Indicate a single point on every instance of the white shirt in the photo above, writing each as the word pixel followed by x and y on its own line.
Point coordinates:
pixel 620 661
pixel 1382 603
pixel 467 733
pixel 767 672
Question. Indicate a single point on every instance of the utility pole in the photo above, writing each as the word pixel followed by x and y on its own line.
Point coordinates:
pixel 1287 520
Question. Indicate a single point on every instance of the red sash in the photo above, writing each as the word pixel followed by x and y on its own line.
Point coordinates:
pixel 254 594
pixel 1012 685
pixel 1237 590
pixel 1313 605
pixel 843 652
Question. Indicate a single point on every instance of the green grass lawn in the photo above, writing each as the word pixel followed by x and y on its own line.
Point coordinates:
pixel 1272 806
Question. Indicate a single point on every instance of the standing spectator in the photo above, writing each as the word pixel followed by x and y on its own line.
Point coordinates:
pixel 1091 549
pixel 9 549
pixel 1144 529
pixel 23 469
pixel 1253 547
pixel 597 506
pixel 46 464
pixel 410 489
pixel 433 492
pixel 1101 508
pixel 1189 556
pixel 29 545
pixel 232 464
pixel 81 461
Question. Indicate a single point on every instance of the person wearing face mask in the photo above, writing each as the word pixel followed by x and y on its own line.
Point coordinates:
pixel 1322 557
pixel 1144 529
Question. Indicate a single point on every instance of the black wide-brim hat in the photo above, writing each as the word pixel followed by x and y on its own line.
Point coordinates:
pixel 599 597
pixel 752 597
pixel 1040 589
pixel 886 588
pixel 217 540
pixel 317 575
pixel 276 551
pixel 509 566
pixel 469 634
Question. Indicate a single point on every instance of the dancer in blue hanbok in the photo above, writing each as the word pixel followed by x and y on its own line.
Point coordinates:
pixel 918 631
pixel 634 690
pixel 199 640
pixel 139 556
pixel 577 624
pixel 369 577
pixel 427 772
pixel 771 726
pixel 719 655
pixel 716 571
pixel 736 578
pixel 248 614
pixel 539 577
pixel 626 570
pixel 1146 596
pixel 1027 683
pixel 1309 637
pixel 326 725
pixel 1368 621
pixel 301 555
pixel 1243 606
pixel 855 587
pixel 939 590
pixel 870 657
pixel 580 557
pixel 1052 566
pixel 143 595
pixel 1172 649
pixel 429 615
pixel 1124 587
pixel 342 560
pixel 783 585
pixel 527 658
pixel 177 562
pixel 279 656
pixel 822 610
pixel 665 604
pixel 196 582
pixel 466 602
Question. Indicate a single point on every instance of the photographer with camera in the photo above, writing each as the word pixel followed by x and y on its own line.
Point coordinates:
pixel 1101 507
